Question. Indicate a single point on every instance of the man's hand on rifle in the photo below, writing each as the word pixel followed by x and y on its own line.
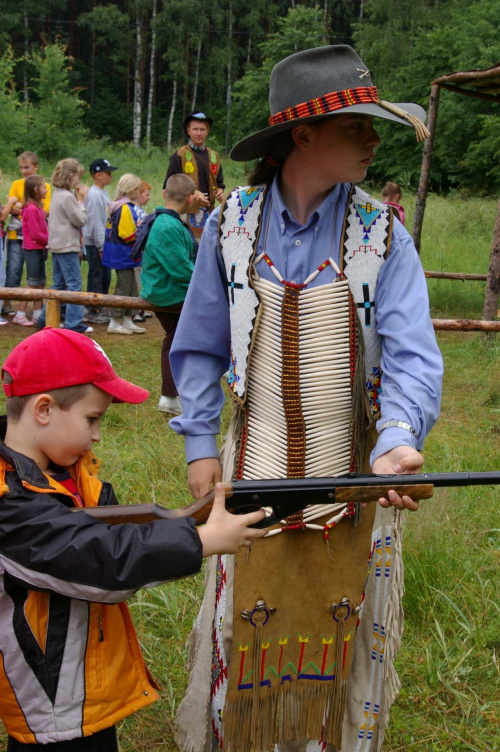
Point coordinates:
pixel 203 474
pixel 224 532
pixel 401 460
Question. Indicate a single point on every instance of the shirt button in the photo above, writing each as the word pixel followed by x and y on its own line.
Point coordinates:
pixel 316 229
pixel 293 282
pixel 282 226
pixel 298 242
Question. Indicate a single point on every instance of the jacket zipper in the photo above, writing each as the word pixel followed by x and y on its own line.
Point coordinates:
pixel 100 627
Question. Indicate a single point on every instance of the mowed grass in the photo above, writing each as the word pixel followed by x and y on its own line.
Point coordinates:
pixel 449 660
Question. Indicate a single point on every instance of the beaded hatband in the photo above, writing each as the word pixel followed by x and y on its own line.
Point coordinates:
pixel 334 100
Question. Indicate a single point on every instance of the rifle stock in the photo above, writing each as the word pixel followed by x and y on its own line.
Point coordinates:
pixel 289 496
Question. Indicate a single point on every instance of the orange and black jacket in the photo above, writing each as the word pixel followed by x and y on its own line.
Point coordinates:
pixel 70 661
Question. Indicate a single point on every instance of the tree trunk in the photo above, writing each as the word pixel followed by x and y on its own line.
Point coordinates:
pixel 171 116
pixel 196 73
pixel 26 95
pixel 137 84
pixel 229 71
pixel 151 76
pixel 426 166
pixel 92 67
pixel 493 280
pixel 186 78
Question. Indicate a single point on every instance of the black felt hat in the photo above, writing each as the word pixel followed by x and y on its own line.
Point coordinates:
pixel 319 83
pixel 196 116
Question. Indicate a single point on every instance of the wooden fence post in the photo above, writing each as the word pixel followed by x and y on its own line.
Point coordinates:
pixel 493 279
pixel 426 166
pixel 53 313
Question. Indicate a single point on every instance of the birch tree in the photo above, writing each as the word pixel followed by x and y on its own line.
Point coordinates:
pixel 152 78
pixel 137 110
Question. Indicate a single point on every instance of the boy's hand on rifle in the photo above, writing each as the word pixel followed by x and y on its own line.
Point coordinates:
pixel 401 459
pixel 202 475
pixel 224 532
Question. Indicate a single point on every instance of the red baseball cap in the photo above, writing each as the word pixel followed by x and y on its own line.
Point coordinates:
pixel 55 358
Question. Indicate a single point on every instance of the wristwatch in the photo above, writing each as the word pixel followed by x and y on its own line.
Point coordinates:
pixel 398 424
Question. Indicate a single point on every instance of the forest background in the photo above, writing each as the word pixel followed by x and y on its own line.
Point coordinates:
pixel 129 71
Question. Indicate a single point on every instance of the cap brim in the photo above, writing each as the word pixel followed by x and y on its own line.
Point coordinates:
pixel 107 169
pixel 123 391
pixel 259 144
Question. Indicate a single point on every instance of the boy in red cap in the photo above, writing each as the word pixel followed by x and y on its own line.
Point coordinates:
pixel 71 663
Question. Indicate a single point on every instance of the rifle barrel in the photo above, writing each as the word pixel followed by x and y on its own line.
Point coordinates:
pixel 318 485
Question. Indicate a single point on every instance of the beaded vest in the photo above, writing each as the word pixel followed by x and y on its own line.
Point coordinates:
pixel 365 244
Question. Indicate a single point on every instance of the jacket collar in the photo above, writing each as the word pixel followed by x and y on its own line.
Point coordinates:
pixel 28 470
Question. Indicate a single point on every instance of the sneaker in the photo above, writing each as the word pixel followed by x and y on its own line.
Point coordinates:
pixel 95 318
pixel 116 328
pixel 147 314
pixel 88 330
pixel 129 324
pixel 22 320
pixel 138 317
pixel 170 405
pixel 3 321
pixel 12 313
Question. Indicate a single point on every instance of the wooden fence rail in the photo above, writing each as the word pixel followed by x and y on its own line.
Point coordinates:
pixel 93 299
pixel 54 299
pixel 456 275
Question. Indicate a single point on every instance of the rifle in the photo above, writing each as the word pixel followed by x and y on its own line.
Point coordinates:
pixel 289 496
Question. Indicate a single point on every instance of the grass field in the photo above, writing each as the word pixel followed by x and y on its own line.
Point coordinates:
pixel 449 660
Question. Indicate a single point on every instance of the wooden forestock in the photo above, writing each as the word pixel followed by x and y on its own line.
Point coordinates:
pixel 363 494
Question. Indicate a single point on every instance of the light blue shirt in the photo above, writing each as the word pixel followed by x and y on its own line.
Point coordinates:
pixel 411 362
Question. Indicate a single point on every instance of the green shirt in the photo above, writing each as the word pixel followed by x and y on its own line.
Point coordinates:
pixel 166 266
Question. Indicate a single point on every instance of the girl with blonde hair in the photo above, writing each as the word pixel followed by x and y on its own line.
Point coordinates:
pixel 67 216
pixel 120 237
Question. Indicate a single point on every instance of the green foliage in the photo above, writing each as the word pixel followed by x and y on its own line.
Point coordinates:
pixel 429 40
pixel 301 29
pixel 55 119
pixel 12 117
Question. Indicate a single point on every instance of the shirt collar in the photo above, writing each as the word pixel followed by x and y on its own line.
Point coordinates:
pixel 285 217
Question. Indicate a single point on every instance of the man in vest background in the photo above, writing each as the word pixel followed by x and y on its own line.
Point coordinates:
pixel 203 165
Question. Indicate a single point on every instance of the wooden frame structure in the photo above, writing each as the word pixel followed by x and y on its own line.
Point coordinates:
pixel 481 84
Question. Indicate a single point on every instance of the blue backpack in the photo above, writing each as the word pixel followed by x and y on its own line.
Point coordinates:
pixel 142 234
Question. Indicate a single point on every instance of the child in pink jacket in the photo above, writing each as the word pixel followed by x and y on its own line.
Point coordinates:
pixel 35 239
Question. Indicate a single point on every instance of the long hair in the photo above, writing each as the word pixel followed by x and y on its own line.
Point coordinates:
pixel 391 190
pixel 64 172
pixel 31 186
pixel 264 171
pixel 128 185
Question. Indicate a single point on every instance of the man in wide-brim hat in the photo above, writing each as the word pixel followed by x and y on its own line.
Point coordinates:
pixel 202 165
pixel 311 295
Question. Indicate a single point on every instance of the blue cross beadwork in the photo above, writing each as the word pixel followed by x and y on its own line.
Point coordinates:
pixel 367 304
pixel 234 285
